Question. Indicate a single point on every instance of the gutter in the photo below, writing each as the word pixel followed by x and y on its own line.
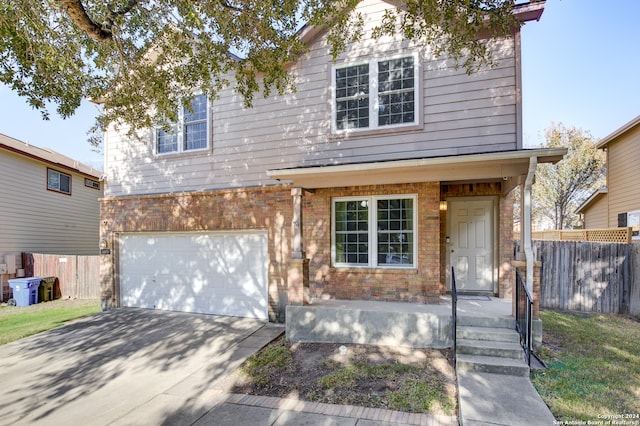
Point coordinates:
pixel 528 248
pixel 90 172
pixel 550 155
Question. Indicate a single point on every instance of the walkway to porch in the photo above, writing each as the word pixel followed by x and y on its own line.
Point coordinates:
pixel 386 323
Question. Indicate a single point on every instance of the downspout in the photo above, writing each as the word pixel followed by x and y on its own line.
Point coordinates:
pixel 526 228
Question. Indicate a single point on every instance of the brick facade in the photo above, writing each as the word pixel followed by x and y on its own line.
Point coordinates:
pixel 266 208
pixel 271 209
pixel 421 285
pixel 537 268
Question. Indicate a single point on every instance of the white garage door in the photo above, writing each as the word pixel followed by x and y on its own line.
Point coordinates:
pixel 212 273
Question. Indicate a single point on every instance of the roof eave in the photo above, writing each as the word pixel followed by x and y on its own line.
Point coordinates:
pixel 531 11
pixel 489 166
pixel 28 152
pixel 618 132
pixel 592 199
pixel 525 12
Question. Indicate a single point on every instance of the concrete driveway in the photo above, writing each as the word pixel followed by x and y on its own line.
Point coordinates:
pixel 126 367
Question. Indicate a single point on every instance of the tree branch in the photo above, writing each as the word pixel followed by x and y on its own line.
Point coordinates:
pixel 229 6
pixel 126 9
pixel 79 16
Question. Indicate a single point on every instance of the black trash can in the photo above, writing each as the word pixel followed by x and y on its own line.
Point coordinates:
pixel 46 291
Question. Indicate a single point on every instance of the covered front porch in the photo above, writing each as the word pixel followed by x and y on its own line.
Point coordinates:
pixel 401 304
pixel 391 323
pixel 457 212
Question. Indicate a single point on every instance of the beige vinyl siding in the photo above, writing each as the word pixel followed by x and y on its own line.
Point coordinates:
pixel 460 114
pixel 35 219
pixel 597 215
pixel 623 175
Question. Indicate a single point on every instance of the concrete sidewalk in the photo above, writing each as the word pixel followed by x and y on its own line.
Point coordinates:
pixel 500 399
pixel 268 411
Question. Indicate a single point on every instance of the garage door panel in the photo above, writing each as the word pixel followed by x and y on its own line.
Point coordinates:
pixel 208 273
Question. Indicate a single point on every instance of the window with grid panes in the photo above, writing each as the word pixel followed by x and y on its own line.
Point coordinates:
pixel 374 231
pixel 376 94
pixel 191 131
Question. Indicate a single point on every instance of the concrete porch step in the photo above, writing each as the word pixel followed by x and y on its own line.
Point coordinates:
pixel 490 348
pixel 491 364
pixel 487 322
pixel 488 334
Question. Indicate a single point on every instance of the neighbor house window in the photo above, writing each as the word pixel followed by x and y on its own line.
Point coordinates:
pixel 376 94
pixel 90 183
pixel 633 220
pixel 374 231
pixel 191 131
pixel 58 181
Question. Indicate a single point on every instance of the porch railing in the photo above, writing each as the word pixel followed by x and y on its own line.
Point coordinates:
pixel 524 312
pixel 454 314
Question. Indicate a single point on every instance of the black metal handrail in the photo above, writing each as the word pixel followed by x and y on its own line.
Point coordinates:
pixel 524 313
pixel 454 314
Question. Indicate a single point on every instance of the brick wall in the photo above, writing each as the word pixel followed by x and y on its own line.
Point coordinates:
pixel 270 209
pixel 242 209
pixel 421 285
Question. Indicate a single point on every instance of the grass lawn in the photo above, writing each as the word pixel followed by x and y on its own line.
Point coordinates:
pixel 594 366
pixel 17 322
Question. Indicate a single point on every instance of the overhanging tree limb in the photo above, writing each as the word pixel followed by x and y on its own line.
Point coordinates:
pixel 57 52
pixel 78 14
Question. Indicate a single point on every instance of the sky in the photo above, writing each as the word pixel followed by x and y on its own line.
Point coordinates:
pixel 580 67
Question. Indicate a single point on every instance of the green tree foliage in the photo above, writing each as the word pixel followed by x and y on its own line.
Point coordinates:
pixel 560 188
pixel 142 59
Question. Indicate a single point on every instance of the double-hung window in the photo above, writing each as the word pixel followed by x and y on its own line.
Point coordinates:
pixel 377 231
pixel 58 181
pixel 376 94
pixel 190 133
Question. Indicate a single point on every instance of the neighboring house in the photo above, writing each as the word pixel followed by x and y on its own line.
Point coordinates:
pixel 383 169
pixel 617 204
pixel 48 204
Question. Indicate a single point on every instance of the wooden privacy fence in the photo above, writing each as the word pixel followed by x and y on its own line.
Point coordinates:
pixel 586 276
pixel 79 276
pixel 609 235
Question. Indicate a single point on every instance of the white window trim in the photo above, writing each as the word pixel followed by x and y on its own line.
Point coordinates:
pixel 634 212
pixel 180 124
pixel 373 234
pixel 373 95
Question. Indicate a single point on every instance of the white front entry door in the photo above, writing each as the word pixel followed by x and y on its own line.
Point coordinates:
pixel 471 244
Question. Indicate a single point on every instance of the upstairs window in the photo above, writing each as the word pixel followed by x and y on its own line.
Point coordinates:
pixel 190 133
pixel 374 231
pixel 376 94
pixel 58 181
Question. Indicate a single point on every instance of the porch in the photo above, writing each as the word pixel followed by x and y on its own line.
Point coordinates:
pixel 390 323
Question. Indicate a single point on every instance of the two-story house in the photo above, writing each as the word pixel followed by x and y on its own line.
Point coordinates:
pixel 385 168
pixel 617 204
pixel 48 204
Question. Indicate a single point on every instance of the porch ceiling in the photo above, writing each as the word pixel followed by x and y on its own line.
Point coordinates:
pixel 474 167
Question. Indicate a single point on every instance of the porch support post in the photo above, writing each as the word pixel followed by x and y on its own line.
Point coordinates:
pixel 526 221
pixel 298 273
pixel 296 224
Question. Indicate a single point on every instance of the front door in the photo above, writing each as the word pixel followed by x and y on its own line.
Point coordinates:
pixel 471 244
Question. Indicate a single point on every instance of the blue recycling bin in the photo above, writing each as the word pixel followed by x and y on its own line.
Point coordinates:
pixel 25 290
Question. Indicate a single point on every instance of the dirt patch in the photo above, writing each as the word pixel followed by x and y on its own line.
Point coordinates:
pixel 413 380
